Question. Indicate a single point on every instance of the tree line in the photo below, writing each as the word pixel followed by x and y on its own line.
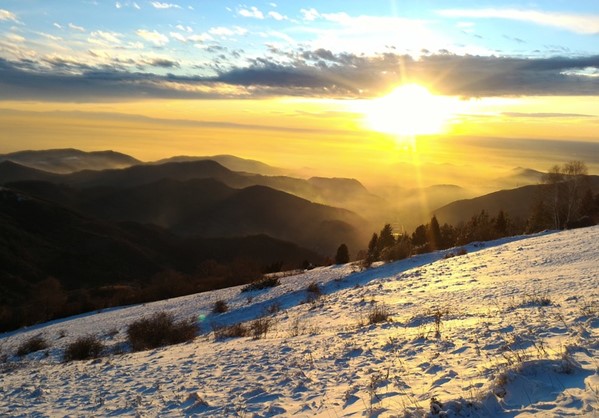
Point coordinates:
pixel 565 200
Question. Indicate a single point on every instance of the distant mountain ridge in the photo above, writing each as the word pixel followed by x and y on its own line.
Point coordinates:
pixel 209 208
pixel 231 162
pixel 11 171
pixel 69 160
pixel 39 238
pixel 339 192
pixel 516 202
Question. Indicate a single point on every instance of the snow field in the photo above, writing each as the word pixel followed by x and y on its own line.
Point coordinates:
pixel 511 328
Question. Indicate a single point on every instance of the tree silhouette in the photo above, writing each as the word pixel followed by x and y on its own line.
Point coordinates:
pixel 386 238
pixel 419 236
pixel 434 235
pixel 554 179
pixel 373 252
pixel 501 224
pixel 342 255
pixel 565 185
pixel 575 172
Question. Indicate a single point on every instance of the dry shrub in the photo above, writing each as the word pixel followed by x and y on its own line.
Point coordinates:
pixel 314 289
pixel 264 283
pixel 231 331
pixel 378 313
pixel 220 306
pixel 159 330
pixel 32 345
pixel 83 348
pixel 273 308
pixel 260 327
pixel 257 329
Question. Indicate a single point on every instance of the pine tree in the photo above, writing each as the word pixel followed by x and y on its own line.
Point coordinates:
pixel 434 234
pixel 501 224
pixel 342 255
pixel 540 218
pixel 373 253
pixel 386 238
pixel 419 236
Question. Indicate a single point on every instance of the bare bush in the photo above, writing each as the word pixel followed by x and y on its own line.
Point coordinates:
pixel 273 308
pixel 83 348
pixel 32 345
pixel 378 313
pixel 314 289
pixel 159 330
pixel 260 327
pixel 220 306
pixel 261 284
pixel 231 331
pixel 532 301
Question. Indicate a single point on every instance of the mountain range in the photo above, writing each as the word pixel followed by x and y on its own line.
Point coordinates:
pixel 69 160
pixel 518 202
pixel 193 223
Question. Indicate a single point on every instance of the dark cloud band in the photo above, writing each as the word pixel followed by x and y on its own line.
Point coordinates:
pixel 319 73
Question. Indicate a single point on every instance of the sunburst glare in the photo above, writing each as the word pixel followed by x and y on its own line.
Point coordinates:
pixel 410 110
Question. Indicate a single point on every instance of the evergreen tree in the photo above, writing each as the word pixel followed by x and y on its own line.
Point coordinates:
pixel 419 236
pixel 434 234
pixel 386 238
pixel 373 252
pixel 448 235
pixel 501 224
pixel 540 219
pixel 342 255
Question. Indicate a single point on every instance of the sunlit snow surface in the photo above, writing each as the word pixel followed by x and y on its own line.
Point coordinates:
pixel 509 329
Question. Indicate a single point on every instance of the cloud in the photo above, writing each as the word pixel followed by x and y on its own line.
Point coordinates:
pixel 223 31
pixel 365 34
pixel 177 36
pixel 13 37
pixel 199 38
pixel 108 116
pixel 309 14
pixel 66 63
pixel 49 36
pixel 579 23
pixel 251 12
pixel 105 38
pixel 159 5
pixel 182 28
pixel 314 73
pixel 322 72
pixel 162 63
pixel 154 37
pixel 6 15
pixel 120 5
pixel 277 16
pixel 76 27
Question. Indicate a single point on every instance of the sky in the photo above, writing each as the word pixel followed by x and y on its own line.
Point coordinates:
pixel 300 83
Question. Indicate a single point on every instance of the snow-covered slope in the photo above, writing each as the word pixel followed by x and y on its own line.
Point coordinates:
pixel 511 328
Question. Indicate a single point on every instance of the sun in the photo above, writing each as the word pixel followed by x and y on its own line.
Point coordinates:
pixel 408 111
